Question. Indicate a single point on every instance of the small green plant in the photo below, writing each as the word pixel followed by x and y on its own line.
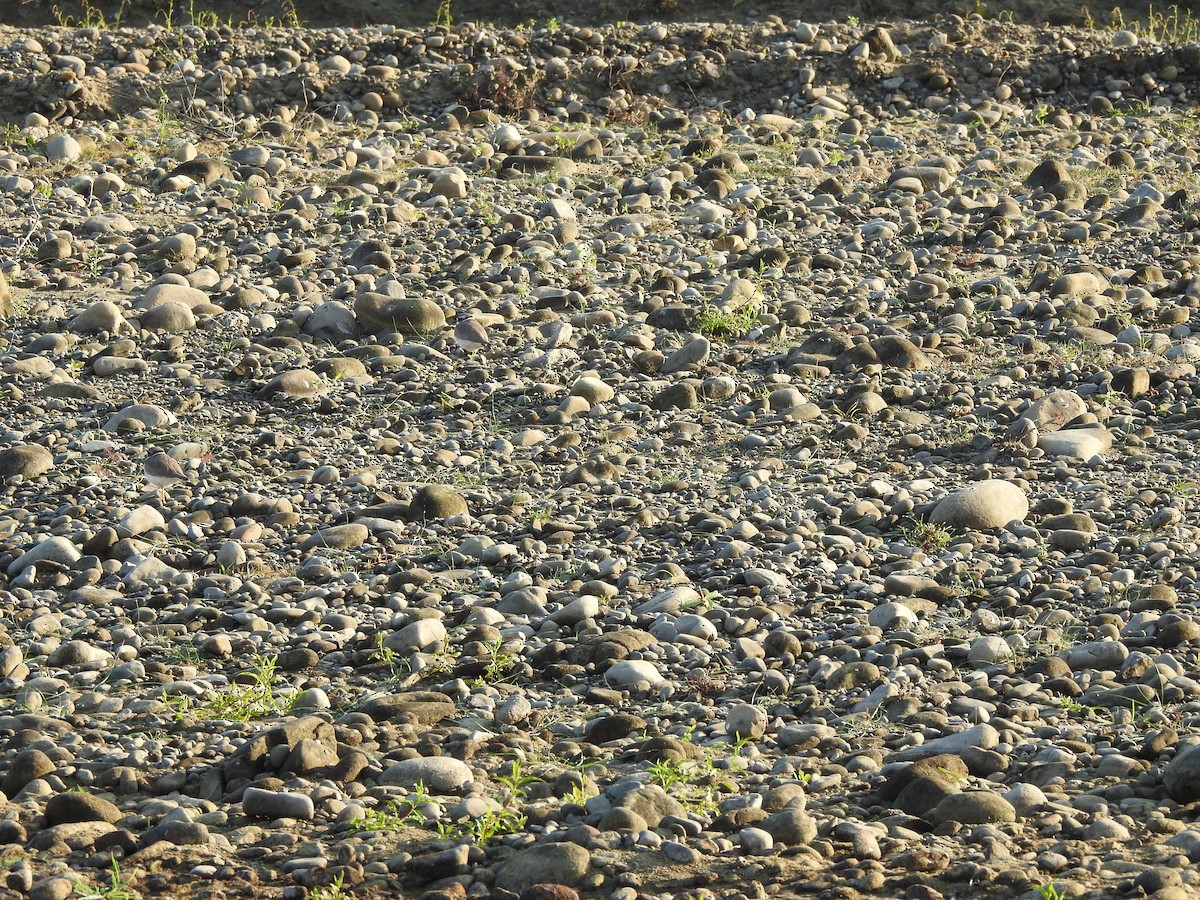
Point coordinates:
pixel 388 818
pixel 728 324
pixel 497 663
pixel 515 782
pixel 387 656
pixel 91 16
pixel 1175 26
pixel 395 814
pixel 444 18
pixel 289 19
pixel 703 603
pixel 116 889
pixel 491 824
pixel 578 795
pixel 443 661
pixel 740 743
pixel 335 890
pixel 1135 108
pixel 1073 707
pixel 1050 891
pixel 253 698
pixel 668 773
pixel 201 18
pixel 926 536
pixel 168 123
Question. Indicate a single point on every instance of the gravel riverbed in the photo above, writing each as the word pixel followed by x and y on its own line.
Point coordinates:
pixel 636 461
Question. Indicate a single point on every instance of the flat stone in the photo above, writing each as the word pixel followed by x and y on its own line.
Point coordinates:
pixel 337 537
pixel 439 774
pixel 1078 444
pixel 57 550
pixel 258 803
pixel 983 736
pixel 629 672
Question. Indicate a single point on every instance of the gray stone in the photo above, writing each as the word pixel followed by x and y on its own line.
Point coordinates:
pixel 790 826
pixel 103 315
pixel 1097 655
pixel 423 634
pixel 435 502
pixel 974 808
pixel 652 803
pixel 983 736
pixel 982 505
pixel 337 537
pixel 1078 444
pixel 258 803
pixel 26 460
pixel 630 672
pixel 556 863
pixel 440 774
pixel 744 720
pixel 58 550
pixel 1181 776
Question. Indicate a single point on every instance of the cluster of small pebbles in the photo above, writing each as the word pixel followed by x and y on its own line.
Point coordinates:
pixel 621 462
